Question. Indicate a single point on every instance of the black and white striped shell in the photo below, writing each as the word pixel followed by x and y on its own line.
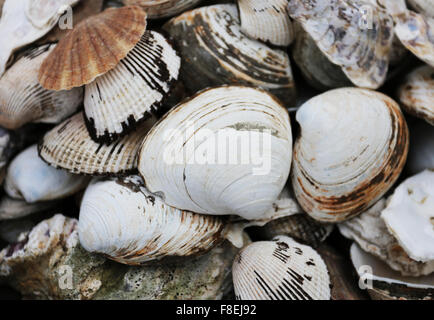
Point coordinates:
pixel 24 100
pixel 157 9
pixel 118 100
pixel 281 269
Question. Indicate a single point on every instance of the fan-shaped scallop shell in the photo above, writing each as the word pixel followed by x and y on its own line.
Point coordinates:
pixel 69 146
pixel 94 47
pixel 115 102
pixel 280 270
pixel 157 9
pixel 122 220
pixel 352 147
pixel 195 168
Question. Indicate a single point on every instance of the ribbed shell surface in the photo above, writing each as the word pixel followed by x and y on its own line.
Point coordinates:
pixel 157 9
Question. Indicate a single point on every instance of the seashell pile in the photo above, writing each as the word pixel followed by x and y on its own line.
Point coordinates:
pixel 225 149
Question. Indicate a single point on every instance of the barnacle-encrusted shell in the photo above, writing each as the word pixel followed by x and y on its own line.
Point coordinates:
pixel 115 102
pixel 422 6
pixel 280 270
pixel 226 151
pixel 24 100
pixel 122 220
pixel 266 20
pixel 157 9
pixel 336 26
pixel 215 52
pixel 421 154
pixel 352 147
pixel 69 146
pixel 94 47
pixel 417 93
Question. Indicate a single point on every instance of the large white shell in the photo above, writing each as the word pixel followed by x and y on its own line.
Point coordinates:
pixel 421 154
pixel 227 151
pixel 352 147
pixel 280 270
pixel 122 220
pixel 409 216
pixel 23 100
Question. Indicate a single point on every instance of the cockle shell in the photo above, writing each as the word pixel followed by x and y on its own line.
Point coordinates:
pixel 194 167
pixel 157 9
pixel 352 147
pixel 24 21
pixel 281 269
pixel 421 154
pixel 337 28
pixel 215 52
pixel 94 47
pixel 24 100
pixel 416 94
pixel 116 101
pixel 266 20
pixel 122 220
pixel 422 6
pixel 69 146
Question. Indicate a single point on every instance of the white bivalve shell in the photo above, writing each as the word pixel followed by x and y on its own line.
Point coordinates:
pixel 281 269
pixel 352 147
pixel 226 151
pixel 122 220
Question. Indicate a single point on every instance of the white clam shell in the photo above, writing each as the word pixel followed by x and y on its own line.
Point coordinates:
pixel 227 151
pixel 281 269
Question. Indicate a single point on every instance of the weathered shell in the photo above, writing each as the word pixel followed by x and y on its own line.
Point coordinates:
pixel 157 9
pixel 24 100
pixel 122 220
pixel 70 147
pixel 215 52
pixel 421 154
pixel 280 270
pixel 336 26
pixel 94 47
pixel 416 94
pixel 352 147
pixel 422 6
pixel 194 167
pixel 115 102
pixel 267 21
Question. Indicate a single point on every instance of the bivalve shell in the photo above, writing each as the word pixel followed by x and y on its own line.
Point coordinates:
pixel 157 9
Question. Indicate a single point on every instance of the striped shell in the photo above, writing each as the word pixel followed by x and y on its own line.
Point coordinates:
pixel 94 47
pixel 115 102
pixel 352 147
pixel 361 51
pixel 157 9
pixel 266 20
pixel 24 100
pixel 122 220
pixel 195 168
pixel 416 94
pixel 215 52
pixel 280 270
pixel 69 146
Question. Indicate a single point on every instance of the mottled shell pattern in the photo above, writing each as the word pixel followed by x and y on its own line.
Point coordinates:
pixel 352 148
pixel 281 269
pixel 157 9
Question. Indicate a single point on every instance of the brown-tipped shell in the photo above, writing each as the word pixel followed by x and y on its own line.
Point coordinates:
pixel 157 9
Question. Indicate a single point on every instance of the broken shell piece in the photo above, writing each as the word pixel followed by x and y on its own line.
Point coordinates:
pixel 215 52
pixel 416 94
pixel 266 20
pixel 409 216
pixel 361 51
pixel 352 148
pixel 383 283
pixel 421 154
pixel 281 269
pixel 23 100
pixel 14 209
pixel 70 147
pixel 115 102
pixel 157 9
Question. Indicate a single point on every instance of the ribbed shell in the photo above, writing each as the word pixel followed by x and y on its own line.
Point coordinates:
pixel 352 147
pixel 122 220
pixel 417 93
pixel 157 9
pixel 115 102
pixel 280 270
pixel 215 52
pixel 362 53
pixel 24 100
pixel 266 20
pixel 94 47
pixel 69 146
pixel 187 168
